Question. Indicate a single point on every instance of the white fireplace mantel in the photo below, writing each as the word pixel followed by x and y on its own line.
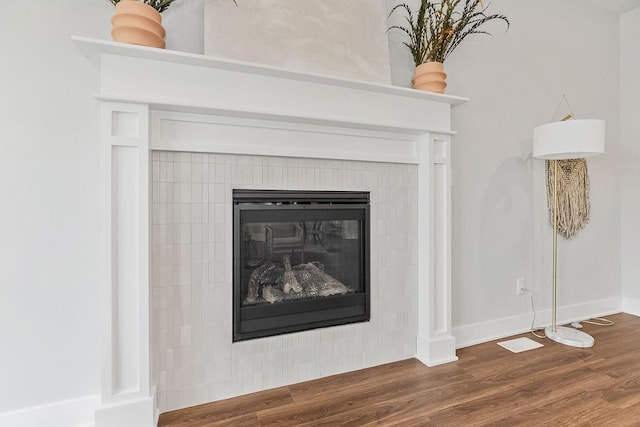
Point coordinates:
pixel 154 99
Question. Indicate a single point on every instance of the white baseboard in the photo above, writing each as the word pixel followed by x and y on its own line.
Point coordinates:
pixel 67 413
pixel 86 411
pixel 477 333
pixel 631 306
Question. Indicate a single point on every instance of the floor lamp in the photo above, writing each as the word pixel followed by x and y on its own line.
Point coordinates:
pixel 570 139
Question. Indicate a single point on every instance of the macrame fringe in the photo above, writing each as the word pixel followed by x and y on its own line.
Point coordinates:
pixel 573 196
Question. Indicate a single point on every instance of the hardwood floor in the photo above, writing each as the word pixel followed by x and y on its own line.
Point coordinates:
pixel 554 385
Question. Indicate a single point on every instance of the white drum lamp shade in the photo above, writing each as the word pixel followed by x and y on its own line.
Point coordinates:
pixel 571 139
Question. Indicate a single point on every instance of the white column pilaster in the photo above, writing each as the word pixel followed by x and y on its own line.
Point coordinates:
pixel 127 396
pixel 435 343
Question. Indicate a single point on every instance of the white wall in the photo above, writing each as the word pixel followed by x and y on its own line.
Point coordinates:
pixel 48 163
pixel 49 176
pixel 630 155
pixel 500 230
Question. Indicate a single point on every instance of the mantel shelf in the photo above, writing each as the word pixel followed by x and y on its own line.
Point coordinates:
pixel 93 48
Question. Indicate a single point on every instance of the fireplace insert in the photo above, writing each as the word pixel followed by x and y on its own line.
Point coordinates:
pixel 300 261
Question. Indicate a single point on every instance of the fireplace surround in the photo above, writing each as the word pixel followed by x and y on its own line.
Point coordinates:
pixel 338 134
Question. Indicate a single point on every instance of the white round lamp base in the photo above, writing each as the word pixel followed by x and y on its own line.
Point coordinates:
pixel 569 336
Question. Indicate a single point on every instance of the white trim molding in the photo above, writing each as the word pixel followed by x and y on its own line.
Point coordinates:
pixel 73 412
pixel 154 99
pixel 435 344
pixel 126 367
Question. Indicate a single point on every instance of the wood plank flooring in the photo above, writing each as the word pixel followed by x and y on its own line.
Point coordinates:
pixel 554 385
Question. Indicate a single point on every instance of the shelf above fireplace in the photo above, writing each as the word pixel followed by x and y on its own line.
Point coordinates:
pixel 192 83
pixel 94 49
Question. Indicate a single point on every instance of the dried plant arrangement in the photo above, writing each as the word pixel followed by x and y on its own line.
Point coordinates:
pixel 438 28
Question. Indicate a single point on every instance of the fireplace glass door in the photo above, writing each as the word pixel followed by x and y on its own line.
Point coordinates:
pixel 301 261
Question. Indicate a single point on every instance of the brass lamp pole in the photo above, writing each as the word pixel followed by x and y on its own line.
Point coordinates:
pixel 554 320
pixel 554 298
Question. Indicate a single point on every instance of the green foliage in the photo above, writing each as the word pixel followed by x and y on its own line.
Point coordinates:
pixel 437 29
pixel 159 5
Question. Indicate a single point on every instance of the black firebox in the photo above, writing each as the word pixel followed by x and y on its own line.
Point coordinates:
pixel 300 261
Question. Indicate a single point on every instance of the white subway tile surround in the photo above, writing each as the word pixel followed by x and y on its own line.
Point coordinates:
pixel 193 358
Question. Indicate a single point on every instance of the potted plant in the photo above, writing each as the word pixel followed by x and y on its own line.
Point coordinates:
pixel 435 31
pixel 140 22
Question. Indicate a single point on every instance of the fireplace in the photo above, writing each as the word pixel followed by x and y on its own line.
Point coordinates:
pixel 301 261
pixel 168 330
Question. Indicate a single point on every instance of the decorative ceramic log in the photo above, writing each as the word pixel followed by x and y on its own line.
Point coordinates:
pixel 328 284
pixel 289 281
pixel 252 291
pixel 310 283
pixel 271 294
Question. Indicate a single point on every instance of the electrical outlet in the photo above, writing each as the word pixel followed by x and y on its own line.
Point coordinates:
pixel 520 289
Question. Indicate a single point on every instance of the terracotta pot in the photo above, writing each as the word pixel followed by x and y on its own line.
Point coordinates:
pixel 430 77
pixel 137 23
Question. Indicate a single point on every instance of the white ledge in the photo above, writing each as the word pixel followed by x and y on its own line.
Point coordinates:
pixel 93 48
pixel 186 82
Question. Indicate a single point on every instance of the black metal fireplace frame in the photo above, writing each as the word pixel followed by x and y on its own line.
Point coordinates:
pixel 249 322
